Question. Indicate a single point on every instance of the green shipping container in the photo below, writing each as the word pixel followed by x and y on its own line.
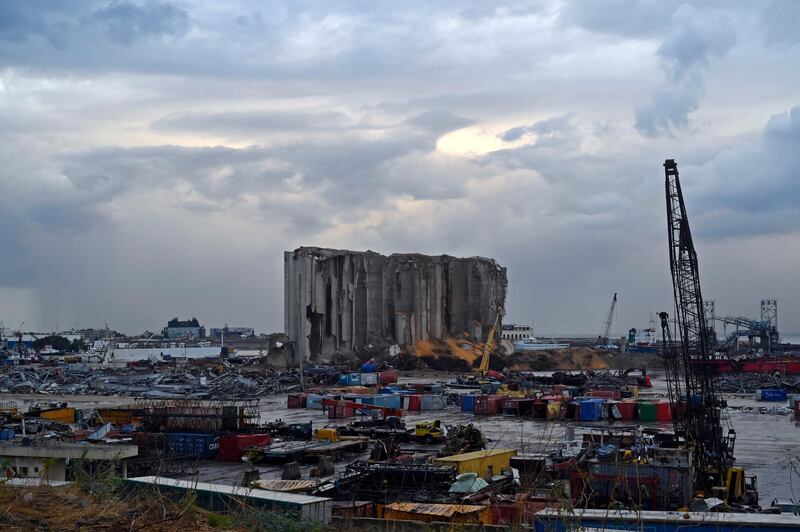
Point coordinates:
pixel 647 411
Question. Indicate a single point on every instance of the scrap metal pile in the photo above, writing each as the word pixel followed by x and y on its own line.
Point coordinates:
pixel 463 439
pixel 750 382
pixel 199 381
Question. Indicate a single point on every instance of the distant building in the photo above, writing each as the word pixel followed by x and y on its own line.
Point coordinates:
pixel 241 332
pixel 514 332
pixel 177 329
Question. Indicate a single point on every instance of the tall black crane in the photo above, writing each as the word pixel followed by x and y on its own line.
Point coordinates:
pixel 695 404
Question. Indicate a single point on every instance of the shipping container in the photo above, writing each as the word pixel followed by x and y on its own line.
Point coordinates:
pixel 232 446
pixel 480 462
pixel 203 446
pixel 432 402
pixel 647 411
pixel 468 403
pixel 62 415
pixel 314 401
pixel 591 409
pixel 412 402
pixel 489 405
pixel 663 411
pixel 608 394
pixel 388 401
pixel 771 394
pixel 627 410
pixel 6 434
pixel 388 377
pixel 296 400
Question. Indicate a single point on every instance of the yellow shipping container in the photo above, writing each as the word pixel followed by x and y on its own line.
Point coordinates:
pixel 62 415
pixel 479 461
pixel 117 416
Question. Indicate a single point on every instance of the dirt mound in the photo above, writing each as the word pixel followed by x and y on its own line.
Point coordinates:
pixel 570 358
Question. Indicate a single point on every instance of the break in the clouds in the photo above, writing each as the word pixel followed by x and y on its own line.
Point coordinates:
pixel 159 156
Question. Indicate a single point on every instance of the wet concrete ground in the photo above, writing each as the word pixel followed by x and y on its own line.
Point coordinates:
pixel 766 444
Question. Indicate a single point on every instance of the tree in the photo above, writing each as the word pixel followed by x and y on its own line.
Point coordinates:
pixel 59 343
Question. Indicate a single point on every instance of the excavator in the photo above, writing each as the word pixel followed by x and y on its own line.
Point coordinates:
pixel 487 349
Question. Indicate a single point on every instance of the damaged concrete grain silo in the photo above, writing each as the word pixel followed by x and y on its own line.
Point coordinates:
pixel 338 301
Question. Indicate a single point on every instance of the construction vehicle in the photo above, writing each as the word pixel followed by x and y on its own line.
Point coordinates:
pixel 482 374
pixel 602 340
pixel 488 346
pixel 429 431
pixel 695 404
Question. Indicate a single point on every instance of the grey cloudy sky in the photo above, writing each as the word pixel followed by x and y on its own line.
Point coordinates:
pixel 158 156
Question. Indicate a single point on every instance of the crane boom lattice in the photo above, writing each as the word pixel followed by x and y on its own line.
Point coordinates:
pixel 696 406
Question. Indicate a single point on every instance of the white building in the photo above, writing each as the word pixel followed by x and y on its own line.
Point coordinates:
pixel 514 332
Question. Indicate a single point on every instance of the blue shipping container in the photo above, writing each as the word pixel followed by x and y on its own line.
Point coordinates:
pixel 203 446
pixel 771 394
pixel 591 409
pixel 468 403
pixel 6 434
pixel 314 401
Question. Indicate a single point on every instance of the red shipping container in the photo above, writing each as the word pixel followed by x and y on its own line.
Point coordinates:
pixel 627 409
pixel 608 394
pixel 489 405
pixel 663 411
pixel 296 400
pixel 388 377
pixel 413 403
pixel 232 446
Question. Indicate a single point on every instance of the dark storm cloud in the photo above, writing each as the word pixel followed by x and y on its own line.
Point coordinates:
pixel 694 41
pixel 753 186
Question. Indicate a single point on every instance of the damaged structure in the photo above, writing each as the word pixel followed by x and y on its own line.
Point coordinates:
pixel 341 301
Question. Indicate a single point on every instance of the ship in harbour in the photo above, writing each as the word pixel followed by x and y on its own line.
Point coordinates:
pixel 643 340
pixel 531 343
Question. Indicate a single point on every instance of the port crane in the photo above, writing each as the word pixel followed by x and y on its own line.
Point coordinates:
pixel 602 340
pixel 696 407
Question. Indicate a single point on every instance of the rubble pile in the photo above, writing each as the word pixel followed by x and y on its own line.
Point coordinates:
pixel 200 381
pixel 750 382
pixel 463 439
